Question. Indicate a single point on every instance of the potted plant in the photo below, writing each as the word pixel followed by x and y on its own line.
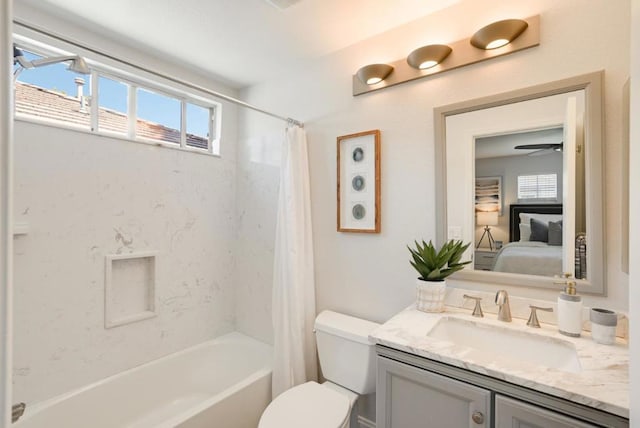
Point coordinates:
pixel 433 267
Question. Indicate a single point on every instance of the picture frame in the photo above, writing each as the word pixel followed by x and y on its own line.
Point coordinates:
pixel 358 182
pixel 488 194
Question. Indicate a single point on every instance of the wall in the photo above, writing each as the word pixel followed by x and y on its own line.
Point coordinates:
pixel 509 168
pixel 85 196
pixel 634 207
pixel 257 189
pixel 369 275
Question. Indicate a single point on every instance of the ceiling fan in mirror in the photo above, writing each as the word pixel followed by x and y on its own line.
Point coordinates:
pixel 541 149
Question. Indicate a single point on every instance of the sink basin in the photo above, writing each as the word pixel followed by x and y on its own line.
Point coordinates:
pixel 497 343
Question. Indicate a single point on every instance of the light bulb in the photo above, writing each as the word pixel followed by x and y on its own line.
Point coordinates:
pixel 428 64
pixel 497 43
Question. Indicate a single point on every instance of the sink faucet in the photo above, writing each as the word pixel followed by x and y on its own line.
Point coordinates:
pixel 504 311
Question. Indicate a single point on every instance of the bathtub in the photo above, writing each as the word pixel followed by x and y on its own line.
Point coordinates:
pixel 223 383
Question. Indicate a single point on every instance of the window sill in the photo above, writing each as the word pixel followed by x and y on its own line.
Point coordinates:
pixel 112 135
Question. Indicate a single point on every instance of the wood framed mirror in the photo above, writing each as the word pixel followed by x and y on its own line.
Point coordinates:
pixel 463 131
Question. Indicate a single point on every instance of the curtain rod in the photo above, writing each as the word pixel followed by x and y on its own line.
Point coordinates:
pixel 289 120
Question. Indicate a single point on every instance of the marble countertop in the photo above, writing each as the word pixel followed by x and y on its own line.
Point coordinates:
pixel 603 382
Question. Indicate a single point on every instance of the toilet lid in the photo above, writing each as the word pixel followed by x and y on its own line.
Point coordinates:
pixel 310 405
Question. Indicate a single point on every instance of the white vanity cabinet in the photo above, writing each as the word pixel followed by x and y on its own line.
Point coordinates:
pixel 416 392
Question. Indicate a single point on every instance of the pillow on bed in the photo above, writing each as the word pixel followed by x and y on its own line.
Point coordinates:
pixel 525 232
pixel 555 233
pixel 525 222
pixel 539 230
pixel 526 217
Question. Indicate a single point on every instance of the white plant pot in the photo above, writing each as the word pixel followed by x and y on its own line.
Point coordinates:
pixel 430 295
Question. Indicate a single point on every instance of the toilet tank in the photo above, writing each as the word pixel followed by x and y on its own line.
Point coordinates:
pixel 347 357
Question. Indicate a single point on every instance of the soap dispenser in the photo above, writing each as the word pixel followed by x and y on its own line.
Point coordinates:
pixel 569 308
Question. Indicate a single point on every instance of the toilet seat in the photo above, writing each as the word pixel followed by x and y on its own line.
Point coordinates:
pixel 310 405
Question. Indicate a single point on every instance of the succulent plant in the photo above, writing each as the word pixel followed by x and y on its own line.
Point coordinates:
pixel 435 265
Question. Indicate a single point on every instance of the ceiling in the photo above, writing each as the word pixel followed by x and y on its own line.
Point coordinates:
pixel 503 145
pixel 241 42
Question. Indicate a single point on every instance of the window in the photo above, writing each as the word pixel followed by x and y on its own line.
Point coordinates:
pixel 198 125
pixel 112 106
pixel 124 105
pixel 53 94
pixel 158 116
pixel 541 186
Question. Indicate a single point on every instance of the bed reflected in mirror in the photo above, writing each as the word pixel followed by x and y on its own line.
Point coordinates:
pixel 518 204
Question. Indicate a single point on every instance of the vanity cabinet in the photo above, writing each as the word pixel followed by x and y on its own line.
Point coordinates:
pixel 416 392
pixel 516 414
pixel 411 397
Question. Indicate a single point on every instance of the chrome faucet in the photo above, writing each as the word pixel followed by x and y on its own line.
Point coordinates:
pixel 504 311
pixel 533 317
pixel 17 410
pixel 477 310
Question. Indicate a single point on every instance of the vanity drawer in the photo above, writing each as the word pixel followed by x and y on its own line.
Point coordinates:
pixel 515 413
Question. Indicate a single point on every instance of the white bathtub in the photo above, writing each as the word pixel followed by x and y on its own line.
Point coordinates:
pixel 224 383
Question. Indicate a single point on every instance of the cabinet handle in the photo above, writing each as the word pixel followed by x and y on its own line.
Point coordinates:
pixel 478 417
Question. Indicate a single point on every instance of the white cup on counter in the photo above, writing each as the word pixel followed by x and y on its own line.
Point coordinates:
pixel 603 325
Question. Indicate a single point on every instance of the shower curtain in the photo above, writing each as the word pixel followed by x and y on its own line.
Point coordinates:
pixel 293 302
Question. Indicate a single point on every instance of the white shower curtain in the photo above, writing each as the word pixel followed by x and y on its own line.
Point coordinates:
pixel 293 283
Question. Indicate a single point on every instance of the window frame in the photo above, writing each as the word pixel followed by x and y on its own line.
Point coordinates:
pixel 133 82
pixel 95 105
pixel 133 103
pixel 212 129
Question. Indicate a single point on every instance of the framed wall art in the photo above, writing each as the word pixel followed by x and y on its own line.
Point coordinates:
pixel 359 182
pixel 488 196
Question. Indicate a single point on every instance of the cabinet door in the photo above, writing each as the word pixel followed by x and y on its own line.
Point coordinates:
pixel 512 413
pixel 408 397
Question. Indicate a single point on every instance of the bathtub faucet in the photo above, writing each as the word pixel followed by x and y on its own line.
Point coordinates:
pixel 17 410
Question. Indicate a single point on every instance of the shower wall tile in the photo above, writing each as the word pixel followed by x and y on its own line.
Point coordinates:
pixel 258 175
pixel 85 197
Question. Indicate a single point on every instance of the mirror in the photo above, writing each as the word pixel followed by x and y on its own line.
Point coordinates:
pixel 517 176
pixel 522 171
pixel 525 170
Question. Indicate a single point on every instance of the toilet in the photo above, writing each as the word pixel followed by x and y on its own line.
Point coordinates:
pixel 348 362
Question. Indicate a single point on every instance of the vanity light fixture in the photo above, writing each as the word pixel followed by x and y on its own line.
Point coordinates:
pixel 374 73
pixel 427 61
pixel 428 56
pixel 498 34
